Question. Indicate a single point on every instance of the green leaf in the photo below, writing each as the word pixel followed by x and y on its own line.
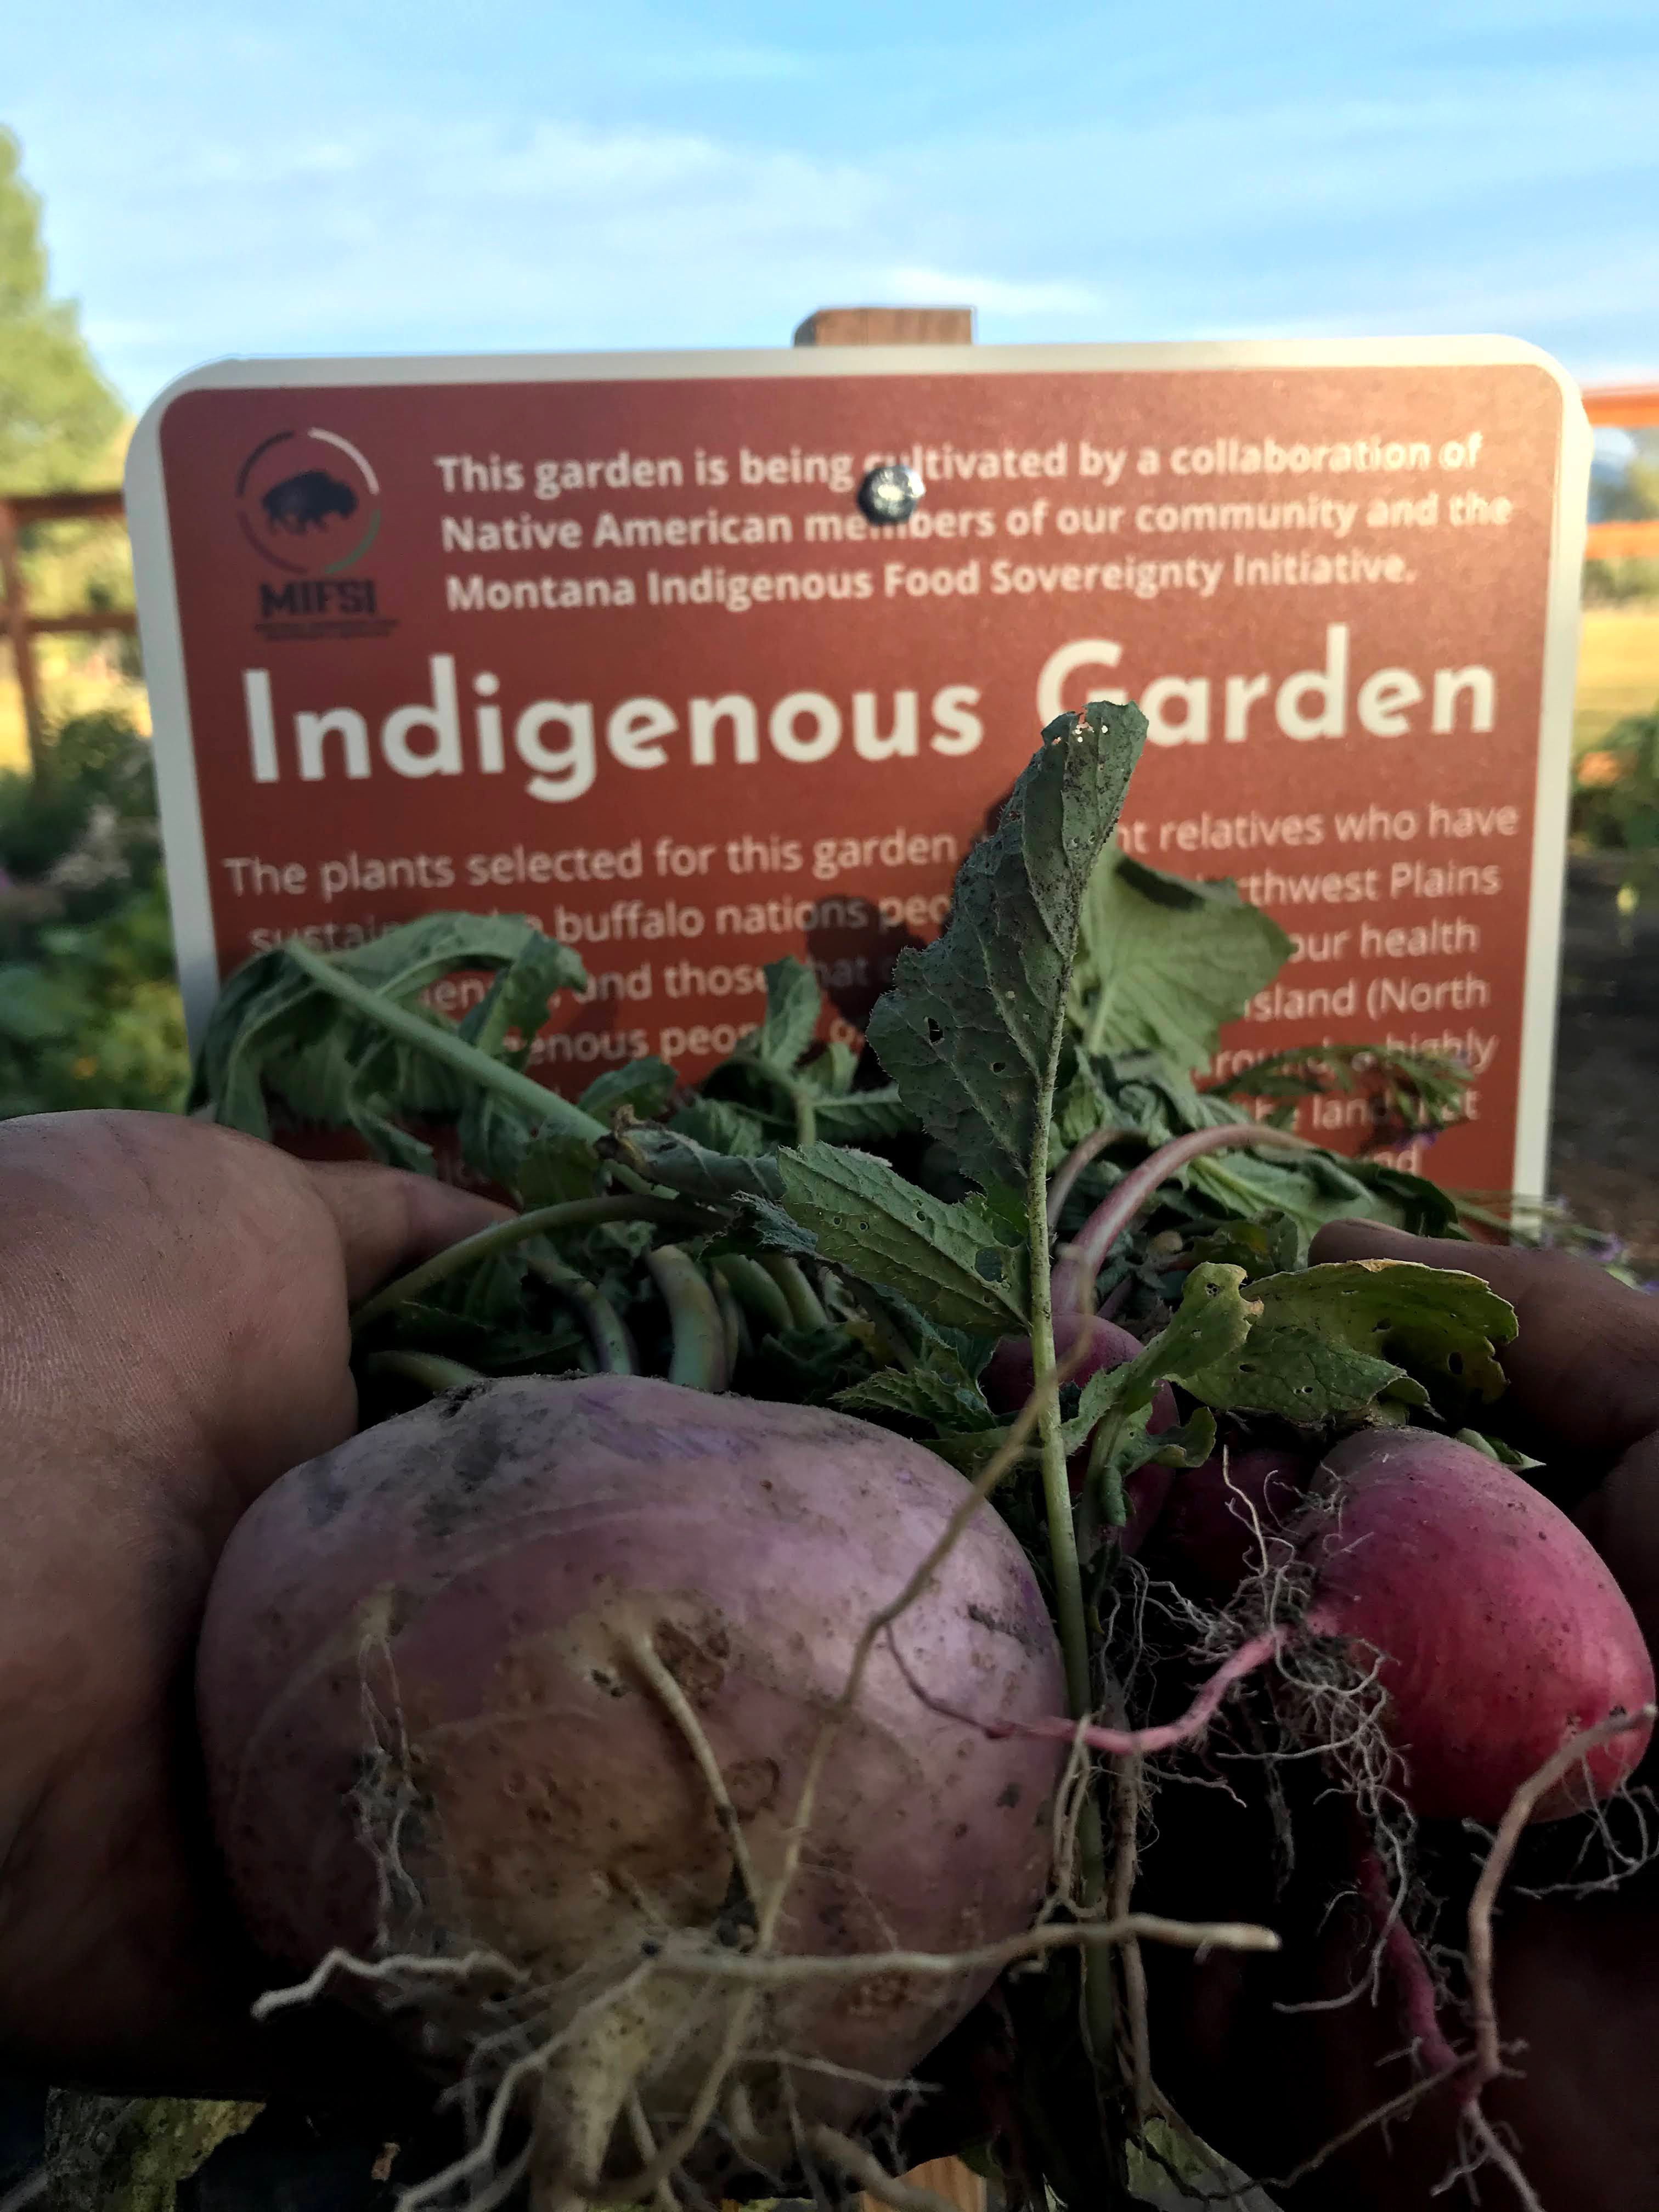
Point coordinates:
pixel 1266 1247
pixel 1308 1189
pixel 1410 1202
pixel 1189 1444
pixel 518 998
pixel 720 1127
pixel 762 1224
pixel 1140 1094
pixel 1163 961
pixel 970 1030
pixel 276 1029
pixel 1408 1093
pixel 1302 1375
pixel 1213 1324
pixel 804 1366
pixel 1496 1447
pixel 952 1261
pixel 664 1156
pixel 1335 1340
pixel 1213 1321
pixel 554 1168
pixel 493 1136
pixel 864 1114
pixel 932 1398
pixel 831 1073
pixel 793 1003
pixel 1444 1326
pixel 645 1087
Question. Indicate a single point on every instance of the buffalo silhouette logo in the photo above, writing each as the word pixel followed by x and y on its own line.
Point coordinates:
pixel 307 502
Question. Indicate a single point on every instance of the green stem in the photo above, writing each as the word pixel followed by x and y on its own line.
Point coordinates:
pixel 502 1236
pixel 731 1320
pixel 1098 1999
pixel 429 1369
pixel 806 1114
pixel 762 1297
pixel 606 1331
pixel 698 1355
pixel 1103 1481
pixel 523 1090
pixel 804 1309
pixel 620 1173
pixel 797 1096
pixel 1057 1489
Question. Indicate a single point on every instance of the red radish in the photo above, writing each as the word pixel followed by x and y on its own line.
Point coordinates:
pixel 471 1626
pixel 1207 1541
pixel 1498 1634
pixel 1503 1634
pixel 1007 1382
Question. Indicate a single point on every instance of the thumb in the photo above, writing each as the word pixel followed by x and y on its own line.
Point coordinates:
pixel 1583 1367
pixel 389 1219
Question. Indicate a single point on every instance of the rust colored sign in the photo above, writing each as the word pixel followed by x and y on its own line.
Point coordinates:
pixel 612 642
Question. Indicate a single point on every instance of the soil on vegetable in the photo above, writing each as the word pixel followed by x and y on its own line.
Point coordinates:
pixel 1605 1148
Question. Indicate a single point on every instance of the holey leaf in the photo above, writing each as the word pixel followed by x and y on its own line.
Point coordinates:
pixel 970 1031
pixel 1335 1342
pixel 1162 962
pixel 952 1261
pixel 1213 1324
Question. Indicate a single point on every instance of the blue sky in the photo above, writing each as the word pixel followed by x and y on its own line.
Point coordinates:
pixel 507 174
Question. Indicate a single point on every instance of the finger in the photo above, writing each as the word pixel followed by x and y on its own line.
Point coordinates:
pixel 1621 1519
pixel 389 1219
pixel 1584 1368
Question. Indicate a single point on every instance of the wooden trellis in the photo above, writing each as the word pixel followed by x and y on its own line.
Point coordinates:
pixel 17 513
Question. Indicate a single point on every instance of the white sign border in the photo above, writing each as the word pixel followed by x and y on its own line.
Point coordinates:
pixel 162 639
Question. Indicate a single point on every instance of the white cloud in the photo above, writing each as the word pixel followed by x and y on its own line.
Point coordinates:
pixel 1000 295
pixel 638 180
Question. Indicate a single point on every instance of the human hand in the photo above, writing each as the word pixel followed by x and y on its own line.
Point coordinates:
pixel 173 1336
pixel 1577 1981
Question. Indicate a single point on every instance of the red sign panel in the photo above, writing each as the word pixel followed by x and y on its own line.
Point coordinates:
pixel 613 644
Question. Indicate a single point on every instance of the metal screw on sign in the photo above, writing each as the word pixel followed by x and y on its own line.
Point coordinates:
pixel 890 493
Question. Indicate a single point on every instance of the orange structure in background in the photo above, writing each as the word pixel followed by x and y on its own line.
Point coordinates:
pixel 1623 407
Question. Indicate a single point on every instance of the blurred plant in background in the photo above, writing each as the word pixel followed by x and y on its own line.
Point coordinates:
pixel 1615 800
pixel 1620 583
pixel 89 1011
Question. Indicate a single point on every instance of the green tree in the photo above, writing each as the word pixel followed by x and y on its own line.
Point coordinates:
pixel 90 1013
pixel 1633 495
pixel 57 415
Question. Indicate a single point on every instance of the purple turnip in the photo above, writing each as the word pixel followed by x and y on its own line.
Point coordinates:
pixel 541 1671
